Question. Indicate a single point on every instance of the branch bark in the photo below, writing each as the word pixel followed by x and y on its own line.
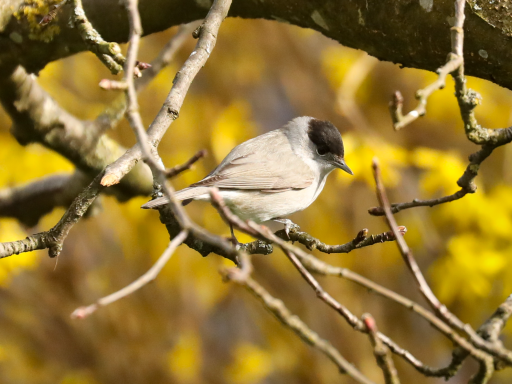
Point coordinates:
pixel 28 203
pixel 408 32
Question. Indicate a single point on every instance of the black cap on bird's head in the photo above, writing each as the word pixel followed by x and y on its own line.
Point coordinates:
pixel 328 142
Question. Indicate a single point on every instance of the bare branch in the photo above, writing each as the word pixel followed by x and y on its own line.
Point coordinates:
pixel 38 118
pixel 54 238
pixel 108 53
pixel 28 203
pixel 166 54
pixel 466 182
pixel 291 321
pixel 437 306
pixel 395 106
pixel 380 351
pixel 397 207
pixel 171 172
pixel 172 105
pixel 149 276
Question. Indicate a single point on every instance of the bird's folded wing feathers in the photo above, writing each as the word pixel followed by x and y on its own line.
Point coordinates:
pixel 274 169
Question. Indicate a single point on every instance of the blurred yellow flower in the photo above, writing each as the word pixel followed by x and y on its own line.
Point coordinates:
pixel 232 128
pixel 469 268
pixel 443 169
pixel 11 266
pixel 251 365
pixel 185 360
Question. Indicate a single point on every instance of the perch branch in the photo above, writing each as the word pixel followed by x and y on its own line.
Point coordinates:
pixel 263 232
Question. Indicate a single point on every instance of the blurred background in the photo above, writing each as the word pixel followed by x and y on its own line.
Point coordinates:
pixel 188 326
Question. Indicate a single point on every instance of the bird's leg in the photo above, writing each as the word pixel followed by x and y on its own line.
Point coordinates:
pixel 288 225
pixel 234 240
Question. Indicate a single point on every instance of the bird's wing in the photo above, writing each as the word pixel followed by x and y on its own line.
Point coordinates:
pixel 265 163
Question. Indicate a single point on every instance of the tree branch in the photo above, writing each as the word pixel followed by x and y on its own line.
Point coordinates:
pixel 381 352
pixel 441 310
pixel 38 118
pixel 149 276
pixel 29 202
pixel 401 28
pixel 291 321
pixel 54 238
pixel 108 53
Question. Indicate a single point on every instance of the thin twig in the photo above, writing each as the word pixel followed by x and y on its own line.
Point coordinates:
pixel 397 207
pixel 294 323
pixel 54 238
pixel 380 351
pixel 263 232
pixel 395 106
pixel 149 276
pixel 171 172
pixel 466 182
pixel 172 105
pixel 427 293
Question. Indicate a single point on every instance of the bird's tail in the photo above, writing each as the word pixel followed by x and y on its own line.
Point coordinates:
pixel 185 195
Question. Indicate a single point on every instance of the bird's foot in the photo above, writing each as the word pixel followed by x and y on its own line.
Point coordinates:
pixel 233 240
pixel 288 225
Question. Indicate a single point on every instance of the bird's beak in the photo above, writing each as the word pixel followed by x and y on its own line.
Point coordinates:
pixel 340 163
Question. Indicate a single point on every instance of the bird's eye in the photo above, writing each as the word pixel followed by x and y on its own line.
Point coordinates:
pixel 322 151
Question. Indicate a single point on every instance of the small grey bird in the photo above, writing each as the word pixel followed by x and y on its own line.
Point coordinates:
pixel 275 174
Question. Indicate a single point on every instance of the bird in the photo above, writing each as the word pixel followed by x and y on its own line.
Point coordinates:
pixel 274 174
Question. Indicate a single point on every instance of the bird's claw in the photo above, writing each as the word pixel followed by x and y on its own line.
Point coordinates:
pixel 288 226
pixel 233 240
